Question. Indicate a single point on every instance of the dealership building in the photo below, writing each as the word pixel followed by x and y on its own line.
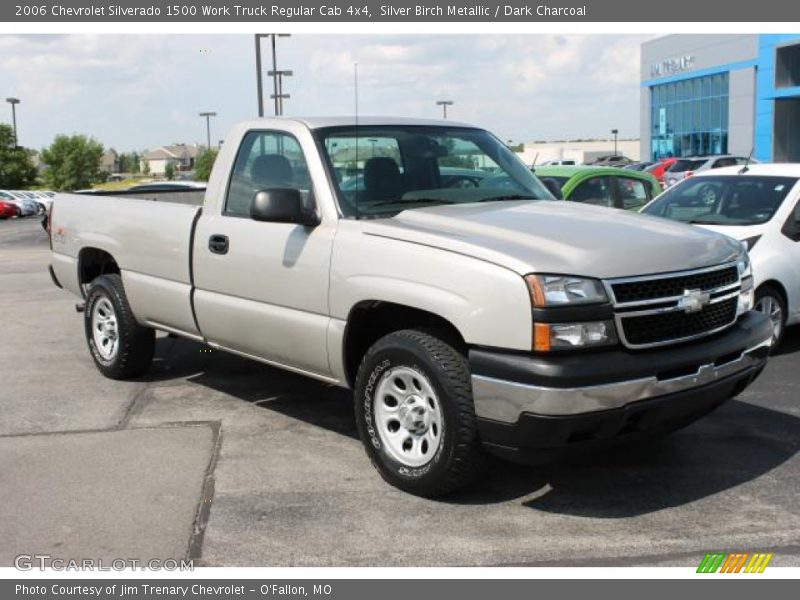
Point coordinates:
pixel 721 94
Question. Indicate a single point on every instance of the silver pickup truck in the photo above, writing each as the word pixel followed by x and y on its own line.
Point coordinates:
pixel 421 264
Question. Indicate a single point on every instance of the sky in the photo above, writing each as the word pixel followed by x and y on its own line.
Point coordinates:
pixel 135 92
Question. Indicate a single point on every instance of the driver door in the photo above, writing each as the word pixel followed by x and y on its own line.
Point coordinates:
pixel 261 288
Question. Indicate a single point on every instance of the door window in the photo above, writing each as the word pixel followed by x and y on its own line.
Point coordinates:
pixel 633 193
pixel 266 159
pixel 593 191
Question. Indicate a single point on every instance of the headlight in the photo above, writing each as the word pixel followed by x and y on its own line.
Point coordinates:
pixel 743 262
pixel 562 290
pixel 552 336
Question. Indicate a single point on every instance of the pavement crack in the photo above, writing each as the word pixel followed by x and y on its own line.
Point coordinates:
pixel 195 548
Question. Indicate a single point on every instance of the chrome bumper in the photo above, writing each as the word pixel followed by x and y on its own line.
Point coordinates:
pixel 505 401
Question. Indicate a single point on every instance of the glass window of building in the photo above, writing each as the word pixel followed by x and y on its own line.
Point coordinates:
pixel 689 117
pixel 787 66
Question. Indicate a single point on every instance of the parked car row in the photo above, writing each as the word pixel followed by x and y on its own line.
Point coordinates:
pixel 682 168
pixel 18 203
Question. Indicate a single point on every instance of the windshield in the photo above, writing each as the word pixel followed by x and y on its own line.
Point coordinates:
pixel 723 200
pixel 382 170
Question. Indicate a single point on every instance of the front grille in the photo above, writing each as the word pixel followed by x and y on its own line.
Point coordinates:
pixel 670 287
pixel 672 326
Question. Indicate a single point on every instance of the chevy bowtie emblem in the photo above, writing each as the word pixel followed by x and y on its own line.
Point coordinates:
pixel 694 301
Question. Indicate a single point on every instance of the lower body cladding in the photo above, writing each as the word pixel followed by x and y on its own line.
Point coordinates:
pixel 533 408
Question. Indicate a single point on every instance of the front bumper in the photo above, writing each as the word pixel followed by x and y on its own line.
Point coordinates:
pixel 543 403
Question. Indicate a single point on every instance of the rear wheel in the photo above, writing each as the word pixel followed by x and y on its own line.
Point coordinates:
pixel 120 347
pixel 770 302
pixel 415 415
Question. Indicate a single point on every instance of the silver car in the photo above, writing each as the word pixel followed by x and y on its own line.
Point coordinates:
pixel 686 167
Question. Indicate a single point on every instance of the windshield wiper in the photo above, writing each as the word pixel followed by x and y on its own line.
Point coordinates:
pixel 705 222
pixel 509 197
pixel 412 201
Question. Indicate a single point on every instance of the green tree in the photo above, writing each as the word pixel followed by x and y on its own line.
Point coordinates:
pixel 123 163
pixel 16 168
pixel 169 171
pixel 72 162
pixel 203 164
pixel 146 168
pixel 135 162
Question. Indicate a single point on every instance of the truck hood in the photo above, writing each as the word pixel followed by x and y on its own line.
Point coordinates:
pixel 559 237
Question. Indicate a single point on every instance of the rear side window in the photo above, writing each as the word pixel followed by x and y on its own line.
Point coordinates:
pixel 266 159
pixel 593 191
pixel 633 193
pixel 724 162
pixel 679 166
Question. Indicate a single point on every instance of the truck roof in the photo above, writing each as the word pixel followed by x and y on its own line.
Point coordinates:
pixel 367 121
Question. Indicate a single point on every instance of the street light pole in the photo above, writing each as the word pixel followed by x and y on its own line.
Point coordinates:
pixel 13 102
pixel 444 104
pixel 615 132
pixel 259 83
pixel 281 96
pixel 275 94
pixel 208 116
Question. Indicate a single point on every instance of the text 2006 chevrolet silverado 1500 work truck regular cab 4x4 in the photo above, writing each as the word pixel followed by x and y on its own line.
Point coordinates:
pixel 467 312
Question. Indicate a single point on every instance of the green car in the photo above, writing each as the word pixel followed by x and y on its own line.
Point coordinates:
pixel 603 186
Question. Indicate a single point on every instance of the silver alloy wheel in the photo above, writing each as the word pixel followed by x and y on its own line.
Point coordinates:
pixel 770 306
pixel 408 416
pixel 708 195
pixel 104 328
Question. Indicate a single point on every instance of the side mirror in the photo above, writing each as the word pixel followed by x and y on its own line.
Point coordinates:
pixel 282 205
pixel 553 187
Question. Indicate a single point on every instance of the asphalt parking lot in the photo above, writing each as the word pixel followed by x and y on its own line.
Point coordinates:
pixel 237 464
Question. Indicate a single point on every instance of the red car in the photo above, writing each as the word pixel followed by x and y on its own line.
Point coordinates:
pixel 8 210
pixel 657 170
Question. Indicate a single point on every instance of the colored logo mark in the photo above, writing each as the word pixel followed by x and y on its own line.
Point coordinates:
pixel 737 562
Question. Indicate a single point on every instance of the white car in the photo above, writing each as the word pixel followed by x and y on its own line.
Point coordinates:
pixel 760 206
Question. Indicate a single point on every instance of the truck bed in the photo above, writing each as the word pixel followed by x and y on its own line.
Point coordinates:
pixel 150 241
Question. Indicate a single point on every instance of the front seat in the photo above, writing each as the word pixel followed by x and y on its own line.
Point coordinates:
pixel 382 179
pixel 271 170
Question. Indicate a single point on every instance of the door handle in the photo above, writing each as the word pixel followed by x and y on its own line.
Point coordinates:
pixel 218 244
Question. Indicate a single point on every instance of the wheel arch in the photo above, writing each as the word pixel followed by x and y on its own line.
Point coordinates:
pixel 94 262
pixel 370 320
pixel 777 285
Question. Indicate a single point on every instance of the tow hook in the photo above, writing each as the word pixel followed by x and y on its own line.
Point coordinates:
pixel 80 307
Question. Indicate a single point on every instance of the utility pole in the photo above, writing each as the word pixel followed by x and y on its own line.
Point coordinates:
pixel 444 104
pixel 13 102
pixel 281 96
pixel 208 116
pixel 259 80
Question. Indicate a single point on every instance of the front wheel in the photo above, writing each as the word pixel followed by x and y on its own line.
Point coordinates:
pixel 120 347
pixel 770 302
pixel 415 415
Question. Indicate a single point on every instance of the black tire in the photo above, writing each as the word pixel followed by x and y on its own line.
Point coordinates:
pixel 459 458
pixel 134 344
pixel 768 292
